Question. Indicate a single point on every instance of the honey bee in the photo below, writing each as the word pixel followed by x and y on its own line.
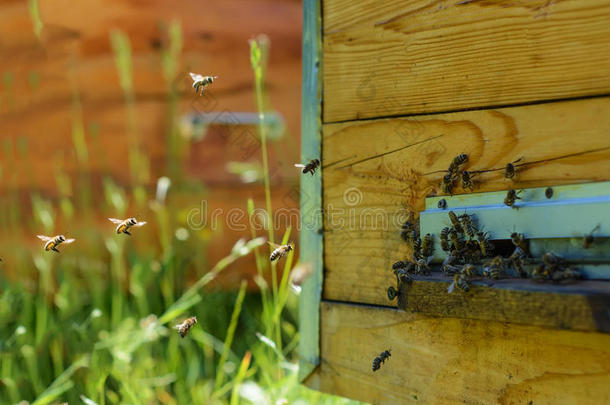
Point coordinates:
pixel 461 279
pixel 310 167
pixel 468 225
pixel 408 233
pixel 455 240
pixel 417 248
pixel 51 243
pixel 449 261
pixel 422 265
pixel 509 171
pixel 511 196
pixel 541 272
pixel 200 82
pixel 467 183
pixel 427 247
pixel 551 260
pixel 588 239
pixel 402 265
pixel 495 268
pixel 455 222
pixel 379 360
pixel 484 244
pixel 279 251
pixel 403 276
pixel 517 259
pixel 519 240
pixel 184 327
pixel 445 239
pixel 123 225
pixel 457 162
pixel 447 184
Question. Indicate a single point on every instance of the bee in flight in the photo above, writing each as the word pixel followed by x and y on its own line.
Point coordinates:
pixel 51 243
pixel 279 251
pixel 379 360
pixel 200 82
pixel 185 326
pixel 310 167
pixel 123 225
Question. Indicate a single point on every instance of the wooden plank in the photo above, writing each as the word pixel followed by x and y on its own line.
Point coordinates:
pixel 311 191
pixel 410 57
pixel 377 172
pixel 448 361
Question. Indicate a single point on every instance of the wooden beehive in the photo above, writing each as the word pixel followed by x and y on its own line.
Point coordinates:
pixel 392 92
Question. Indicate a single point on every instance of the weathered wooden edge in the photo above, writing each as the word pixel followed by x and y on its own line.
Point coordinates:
pixel 580 306
pixel 311 190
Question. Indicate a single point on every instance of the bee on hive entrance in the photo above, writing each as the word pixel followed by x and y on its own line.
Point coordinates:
pixel 279 251
pixel 455 222
pixel 379 360
pixel 427 247
pixel 461 279
pixel 510 171
pixel 310 167
pixel 495 268
pixel 588 239
pixel 123 225
pixel 184 327
pixel 445 239
pixel 484 244
pixel 510 198
pixel 200 82
pixel 51 243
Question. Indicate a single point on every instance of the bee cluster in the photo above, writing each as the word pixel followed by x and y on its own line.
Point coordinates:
pixel 554 268
pixel 455 174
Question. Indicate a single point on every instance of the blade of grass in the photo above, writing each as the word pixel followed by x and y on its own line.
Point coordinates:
pixel 220 371
pixel 243 367
pixel 62 383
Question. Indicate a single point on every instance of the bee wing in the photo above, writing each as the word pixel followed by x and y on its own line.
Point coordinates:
pixel 451 287
pixel 44 238
pixel 138 224
pixel 273 245
pixel 196 77
pixel 68 241
pixel 177 326
pixel 298 165
pixel 114 220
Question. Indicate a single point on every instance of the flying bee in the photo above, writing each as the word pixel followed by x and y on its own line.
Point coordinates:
pixel 455 222
pixel 279 251
pixel 511 196
pixel 468 225
pixel 186 325
pixel 509 171
pixel 467 183
pixel 484 244
pixel 495 268
pixel 445 239
pixel 310 167
pixel 588 239
pixel 123 225
pixel 518 240
pixel 427 247
pixel 379 360
pixel 200 82
pixel 51 243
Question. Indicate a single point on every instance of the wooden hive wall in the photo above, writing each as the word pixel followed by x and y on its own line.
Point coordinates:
pixel 406 86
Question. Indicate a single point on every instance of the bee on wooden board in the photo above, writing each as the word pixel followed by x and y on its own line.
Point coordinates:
pixel 511 197
pixel 467 183
pixel 447 184
pixel 186 325
pixel 455 222
pixel 379 360
pixel 509 171
pixel 310 167
pixel 200 82
pixel 495 268
pixel 123 225
pixel 588 239
pixel 279 251
pixel 51 243
pixel 461 279
pixel 403 276
pixel 422 265
pixel 457 162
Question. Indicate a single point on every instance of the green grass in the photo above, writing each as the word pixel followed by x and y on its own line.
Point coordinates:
pixel 94 324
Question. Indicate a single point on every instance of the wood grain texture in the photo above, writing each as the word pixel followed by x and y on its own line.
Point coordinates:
pixel 448 361
pixel 408 57
pixel 376 173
